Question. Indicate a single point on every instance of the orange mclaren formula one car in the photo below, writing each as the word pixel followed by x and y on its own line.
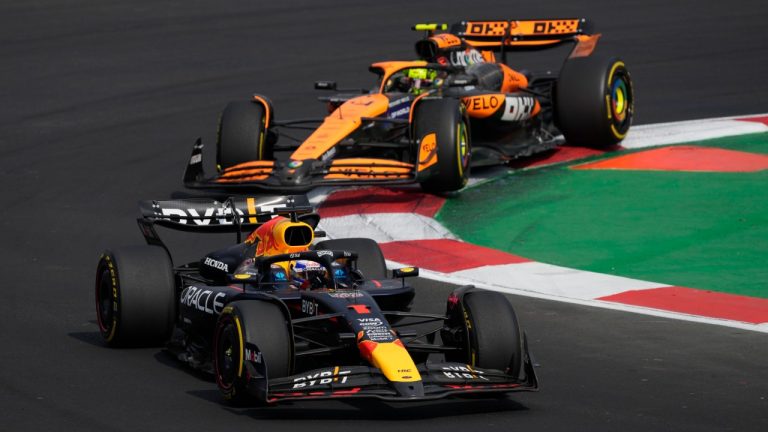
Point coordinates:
pixel 427 121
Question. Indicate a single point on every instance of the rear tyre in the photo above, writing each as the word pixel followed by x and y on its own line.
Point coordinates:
pixel 242 135
pixel 257 322
pixel 445 119
pixel 370 259
pixel 493 332
pixel 135 296
pixel 594 101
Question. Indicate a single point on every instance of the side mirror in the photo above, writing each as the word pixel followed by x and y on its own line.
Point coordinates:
pixel 325 85
pixel 405 272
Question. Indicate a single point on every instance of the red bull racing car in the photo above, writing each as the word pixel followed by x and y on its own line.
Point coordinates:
pixel 427 121
pixel 275 318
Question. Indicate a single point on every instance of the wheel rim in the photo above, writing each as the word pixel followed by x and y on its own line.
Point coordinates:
pixel 463 147
pixel 226 357
pixel 105 311
pixel 620 100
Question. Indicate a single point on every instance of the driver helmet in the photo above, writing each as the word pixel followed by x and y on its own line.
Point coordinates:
pixel 416 80
pixel 421 78
pixel 307 274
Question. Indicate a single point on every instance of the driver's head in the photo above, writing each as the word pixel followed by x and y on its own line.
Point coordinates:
pixel 413 80
pixel 307 274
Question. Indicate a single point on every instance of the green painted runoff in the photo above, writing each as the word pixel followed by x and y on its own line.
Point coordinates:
pixel 698 230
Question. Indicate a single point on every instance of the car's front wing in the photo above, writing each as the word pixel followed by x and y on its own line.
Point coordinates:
pixel 438 380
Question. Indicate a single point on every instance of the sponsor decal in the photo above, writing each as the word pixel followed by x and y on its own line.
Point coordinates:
pixel 554 27
pixel 339 273
pixel 324 253
pixel 196 159
pixel 203 300
pixel 375 329
pixel 210 262
pixel 279 275
pixel 309 307
pixel 427 153
pixel 213 215
pixel 223 216
pixel 462 373
pixel 518 108
pixel 493 28
pixel 345 295
pixel 399 108
pixel 445 40
pixel 253 355
pixel 325 377
pixel 400 101
pixel 402 112
pixel 466 58
pixel 294 164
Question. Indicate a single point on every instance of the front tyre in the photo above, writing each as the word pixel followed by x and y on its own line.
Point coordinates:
pixel 487 333
pixel 242 135
pixel 444 147
pixel 135 296
pixel 594 101
pixel 256 322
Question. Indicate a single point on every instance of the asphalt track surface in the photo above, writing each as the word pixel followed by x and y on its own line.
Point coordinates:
pixel 99 105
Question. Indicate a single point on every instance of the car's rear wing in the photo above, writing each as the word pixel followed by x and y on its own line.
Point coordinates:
pixel 517 35
pixel 234 214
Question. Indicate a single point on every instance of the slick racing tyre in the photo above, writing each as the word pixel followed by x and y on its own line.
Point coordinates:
pixel 257 322
pixel 135 296
pixel 493 338
pixel 594 101
pixel 370 259
pixel 242 135
pixel 442 130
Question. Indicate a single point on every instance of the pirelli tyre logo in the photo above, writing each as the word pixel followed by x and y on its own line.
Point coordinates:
pixel 519 108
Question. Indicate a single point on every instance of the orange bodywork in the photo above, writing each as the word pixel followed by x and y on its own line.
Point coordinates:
pixel 446 40
pixel 343 121
pixel 488 56
pixel 585 45
pixel 246 171
pixel 513 80
pixel 366 168
pixel 386 69
pixel 263 102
